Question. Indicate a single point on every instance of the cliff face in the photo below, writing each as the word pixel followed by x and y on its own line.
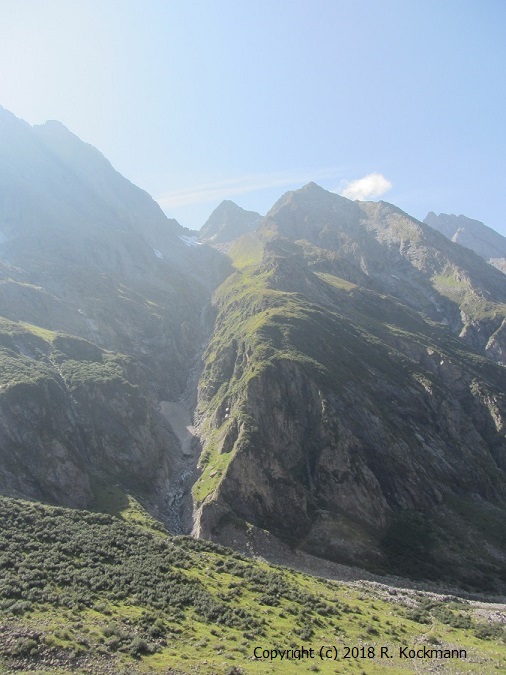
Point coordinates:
pixel 335 405
pixel 72 413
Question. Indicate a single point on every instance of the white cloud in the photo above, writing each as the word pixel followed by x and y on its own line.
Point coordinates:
pixel 372 185
pixel 225 189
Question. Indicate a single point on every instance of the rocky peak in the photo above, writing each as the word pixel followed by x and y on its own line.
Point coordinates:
pixel 227 222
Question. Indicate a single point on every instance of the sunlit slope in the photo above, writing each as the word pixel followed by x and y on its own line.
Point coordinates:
pixel 337 417
pixel 378 246
pixel 89 592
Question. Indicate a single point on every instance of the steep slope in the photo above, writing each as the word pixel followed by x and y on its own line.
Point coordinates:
pixel 483 240
pixel 378 246
pixel 227 222
pixel 73 414
pixel 341 411
pixel 89 261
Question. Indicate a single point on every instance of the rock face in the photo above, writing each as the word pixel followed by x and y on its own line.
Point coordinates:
pixel 69 414
pixel 228 222
pixel 345 407
pixel 345 363
pixel 473 234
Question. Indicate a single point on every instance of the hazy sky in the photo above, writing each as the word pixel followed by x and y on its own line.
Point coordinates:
pixel 203 100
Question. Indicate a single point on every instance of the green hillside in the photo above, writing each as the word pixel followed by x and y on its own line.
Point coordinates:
pixel 90 592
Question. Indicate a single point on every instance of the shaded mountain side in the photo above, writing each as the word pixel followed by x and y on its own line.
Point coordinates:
pixel 72 414
pixel 85 252
pixel 227 222
pixel 46 169
pixel 62 201
pixel 336 416
pixel 483 240
pixel 85 256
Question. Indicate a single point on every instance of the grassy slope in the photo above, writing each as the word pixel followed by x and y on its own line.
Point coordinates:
pixel 82 591
pixel 29 354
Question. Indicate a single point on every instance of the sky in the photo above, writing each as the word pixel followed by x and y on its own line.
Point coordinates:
pixel 197 101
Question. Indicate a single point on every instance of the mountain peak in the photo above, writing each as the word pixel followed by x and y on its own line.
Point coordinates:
pixel 227 222
pixel 68 145
pixel 225 206
pixel 312 186
pixel 54 124
pixel 314 191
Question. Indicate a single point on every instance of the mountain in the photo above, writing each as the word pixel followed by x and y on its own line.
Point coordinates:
pixel 102 301
pixel 352 400
pixel 228 222
pixel 472 234
pixel 328 391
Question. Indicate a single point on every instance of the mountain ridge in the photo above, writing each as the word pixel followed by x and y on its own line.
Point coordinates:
pixel 473 234
pixel 276 374
pixel 344 361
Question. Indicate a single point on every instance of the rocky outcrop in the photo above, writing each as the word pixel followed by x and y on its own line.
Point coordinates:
pixel 228 222
pixel 69 414
pixel 360 451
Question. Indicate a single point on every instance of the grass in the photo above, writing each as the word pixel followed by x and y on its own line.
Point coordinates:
pixel 246 251
pixel 18 370
pixel 459 289
pixel 112 499
pixel 78 585
pixel 44 333
pixel 336 282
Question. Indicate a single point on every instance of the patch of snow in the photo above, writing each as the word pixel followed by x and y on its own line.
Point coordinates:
pixel 158 253
pixel 190 241
pixel 179 418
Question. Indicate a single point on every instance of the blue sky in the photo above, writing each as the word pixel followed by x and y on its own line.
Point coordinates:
pixel 203 100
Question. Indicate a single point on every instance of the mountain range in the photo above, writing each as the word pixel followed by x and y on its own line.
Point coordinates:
pixel 323 385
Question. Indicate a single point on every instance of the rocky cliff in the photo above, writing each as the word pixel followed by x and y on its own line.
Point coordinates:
pixel 347 407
